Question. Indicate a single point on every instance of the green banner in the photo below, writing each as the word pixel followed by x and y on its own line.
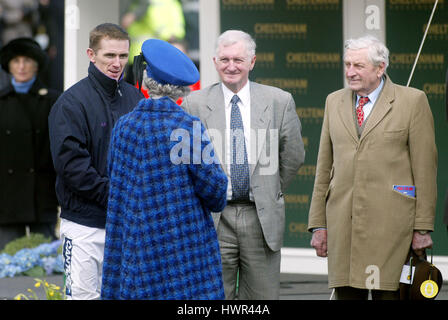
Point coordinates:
pixel 406 22
pixel 299 49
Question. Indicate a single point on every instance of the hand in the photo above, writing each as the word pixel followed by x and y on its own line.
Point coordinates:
pixel 319 242
pixel 420 242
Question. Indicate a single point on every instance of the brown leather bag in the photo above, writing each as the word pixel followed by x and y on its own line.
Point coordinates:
pixel 424 270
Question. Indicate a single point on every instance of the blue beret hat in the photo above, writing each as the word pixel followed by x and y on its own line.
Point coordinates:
pixel 168 65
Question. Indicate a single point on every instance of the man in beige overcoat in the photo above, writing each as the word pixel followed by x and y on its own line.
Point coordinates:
pixel 374 194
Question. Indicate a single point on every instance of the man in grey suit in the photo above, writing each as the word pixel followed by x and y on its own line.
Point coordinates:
pixel 256 135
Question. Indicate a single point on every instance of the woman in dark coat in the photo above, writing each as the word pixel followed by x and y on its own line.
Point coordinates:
pixel 27 190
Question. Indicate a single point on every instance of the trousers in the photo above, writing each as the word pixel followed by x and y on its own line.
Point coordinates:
pixel 251 270
pixel 350 293
pixel 83 254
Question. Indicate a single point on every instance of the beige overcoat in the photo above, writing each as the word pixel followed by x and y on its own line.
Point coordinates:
pixel 370 225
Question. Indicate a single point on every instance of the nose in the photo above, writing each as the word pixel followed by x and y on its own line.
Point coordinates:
pixel 116 61
pixel 231 65
pixel 349 71
pixel 21 63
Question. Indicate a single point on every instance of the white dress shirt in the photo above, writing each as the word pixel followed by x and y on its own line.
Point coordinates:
pixel 244 105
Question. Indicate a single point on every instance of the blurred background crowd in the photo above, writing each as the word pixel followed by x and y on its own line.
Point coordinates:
pixel 175 21
pixel 31 79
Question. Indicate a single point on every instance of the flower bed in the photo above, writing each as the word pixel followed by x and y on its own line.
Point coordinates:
pixel 39 261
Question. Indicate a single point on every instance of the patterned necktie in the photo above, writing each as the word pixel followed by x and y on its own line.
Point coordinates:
pixel 239 167
pixel 359 111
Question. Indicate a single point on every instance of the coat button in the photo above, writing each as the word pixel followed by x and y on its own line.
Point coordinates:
pixel 10 171
pixel 8 132
pixel 31 170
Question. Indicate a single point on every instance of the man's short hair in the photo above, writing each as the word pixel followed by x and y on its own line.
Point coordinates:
pixel 377 51
pixel 231 37
pixel 106 30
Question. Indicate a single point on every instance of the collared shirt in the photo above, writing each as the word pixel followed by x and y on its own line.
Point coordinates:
pixel 244 105
pixel 373 96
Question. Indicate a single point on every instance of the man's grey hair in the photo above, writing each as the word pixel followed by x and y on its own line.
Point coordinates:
pixel 377 51
pixel 158 90
pixel 231 37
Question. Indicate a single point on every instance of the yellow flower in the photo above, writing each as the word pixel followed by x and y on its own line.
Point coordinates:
pixel 52 291
pixel 20 296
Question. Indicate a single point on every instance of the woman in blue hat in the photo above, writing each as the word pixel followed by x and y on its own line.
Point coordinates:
pixel 164 183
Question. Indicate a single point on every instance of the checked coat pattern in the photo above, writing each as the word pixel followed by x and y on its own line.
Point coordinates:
pixel 160 239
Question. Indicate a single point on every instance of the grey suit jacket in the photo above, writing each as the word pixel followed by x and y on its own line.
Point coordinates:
pixel 276 142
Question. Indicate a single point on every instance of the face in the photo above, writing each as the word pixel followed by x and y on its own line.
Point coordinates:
pixel 233 65
pixel 110 57
pixel 362 76
pixel 23 68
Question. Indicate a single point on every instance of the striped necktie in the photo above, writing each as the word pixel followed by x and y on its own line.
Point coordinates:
pixel 239 167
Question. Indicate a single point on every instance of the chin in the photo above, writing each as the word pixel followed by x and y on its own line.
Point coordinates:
pixel 20 80
pixel 354 87
pixel 115 77
pixel 229 82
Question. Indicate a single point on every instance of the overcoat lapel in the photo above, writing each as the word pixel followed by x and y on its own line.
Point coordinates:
pixel 346 114
pixel 260 120
pixel 381 108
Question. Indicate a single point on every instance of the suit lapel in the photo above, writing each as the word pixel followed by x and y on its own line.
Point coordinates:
pixel 381 108
pixel 260 120
pixel 214 119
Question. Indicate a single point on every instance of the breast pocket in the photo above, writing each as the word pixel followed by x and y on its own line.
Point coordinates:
pixel 395 134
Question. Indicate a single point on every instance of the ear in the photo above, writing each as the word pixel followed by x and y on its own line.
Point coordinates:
pixel 252 62
pixel 381 69
pixel 215 62
pixel 91 54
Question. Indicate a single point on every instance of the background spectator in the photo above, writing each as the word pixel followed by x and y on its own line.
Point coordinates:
pixel 28 200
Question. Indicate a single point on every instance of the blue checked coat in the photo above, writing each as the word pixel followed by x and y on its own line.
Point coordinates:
pixel 160 239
